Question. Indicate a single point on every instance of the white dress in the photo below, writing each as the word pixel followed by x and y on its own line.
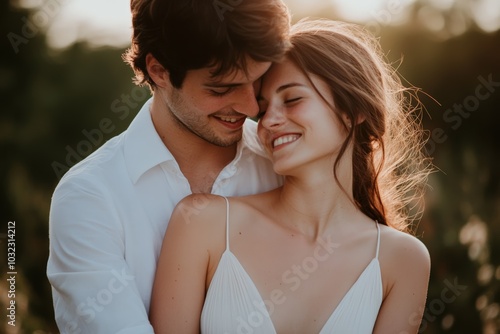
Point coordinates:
pixel 234 305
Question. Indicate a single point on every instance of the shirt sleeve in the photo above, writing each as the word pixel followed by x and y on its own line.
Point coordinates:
pixel 93 289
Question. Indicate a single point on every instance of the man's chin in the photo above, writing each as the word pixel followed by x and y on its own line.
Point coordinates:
pixel 226 142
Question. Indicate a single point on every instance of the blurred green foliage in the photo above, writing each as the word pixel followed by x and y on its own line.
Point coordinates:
pixel 54 103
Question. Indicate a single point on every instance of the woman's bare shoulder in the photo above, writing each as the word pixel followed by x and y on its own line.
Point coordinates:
pixel 260 201
pixel 402 253
pixel 196 205
pixel 398 245
pixel 200 216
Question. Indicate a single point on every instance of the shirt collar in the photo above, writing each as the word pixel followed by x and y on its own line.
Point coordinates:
pixel 143 147
pixel 249 144
pixel 251 140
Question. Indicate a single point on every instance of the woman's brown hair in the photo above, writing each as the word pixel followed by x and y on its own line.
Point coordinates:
pixel 389 167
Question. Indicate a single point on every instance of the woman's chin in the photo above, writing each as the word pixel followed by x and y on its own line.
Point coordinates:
pixel 282 169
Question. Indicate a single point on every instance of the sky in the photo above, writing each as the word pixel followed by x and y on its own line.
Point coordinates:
pixel 108 22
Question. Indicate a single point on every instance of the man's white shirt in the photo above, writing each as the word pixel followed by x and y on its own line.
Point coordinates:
pixel 108 217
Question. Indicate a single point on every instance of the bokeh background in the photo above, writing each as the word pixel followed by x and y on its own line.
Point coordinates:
pixel 65 91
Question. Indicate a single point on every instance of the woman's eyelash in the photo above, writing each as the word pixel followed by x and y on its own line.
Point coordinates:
pixel 263 112
pixel 292 100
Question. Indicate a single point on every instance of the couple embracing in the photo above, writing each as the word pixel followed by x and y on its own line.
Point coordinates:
pixel 198 219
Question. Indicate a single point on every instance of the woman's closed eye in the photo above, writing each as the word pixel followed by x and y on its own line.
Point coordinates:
pixel 292 100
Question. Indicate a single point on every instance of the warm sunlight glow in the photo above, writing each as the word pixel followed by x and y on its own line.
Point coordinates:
pixel 99 22
pixel 108 22
pixel 367 10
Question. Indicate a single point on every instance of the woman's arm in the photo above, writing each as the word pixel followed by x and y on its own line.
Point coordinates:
pixel 179 288
pixel 407 264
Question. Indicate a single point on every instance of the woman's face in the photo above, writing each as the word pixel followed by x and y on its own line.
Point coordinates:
pixel 297 127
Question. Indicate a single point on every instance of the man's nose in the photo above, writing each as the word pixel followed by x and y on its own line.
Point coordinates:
pixel 247 102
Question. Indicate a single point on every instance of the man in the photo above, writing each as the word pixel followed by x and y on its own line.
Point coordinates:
pixel 202 61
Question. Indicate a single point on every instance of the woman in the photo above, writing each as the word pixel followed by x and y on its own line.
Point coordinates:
pixel 327 252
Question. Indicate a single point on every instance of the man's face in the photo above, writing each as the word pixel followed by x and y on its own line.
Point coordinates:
pixel 215 108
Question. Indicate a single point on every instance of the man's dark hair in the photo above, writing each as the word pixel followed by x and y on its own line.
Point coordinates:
pixel 191 34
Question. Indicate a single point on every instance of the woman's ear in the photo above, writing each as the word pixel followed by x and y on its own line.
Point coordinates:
pixel 360 119
pixel 157 72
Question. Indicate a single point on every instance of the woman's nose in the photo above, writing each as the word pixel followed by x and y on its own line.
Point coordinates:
pixel 273 117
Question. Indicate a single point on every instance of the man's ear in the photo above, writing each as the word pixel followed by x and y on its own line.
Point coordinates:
pixel 157 72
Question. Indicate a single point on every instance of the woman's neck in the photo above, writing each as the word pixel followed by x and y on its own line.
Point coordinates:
pixel 314 201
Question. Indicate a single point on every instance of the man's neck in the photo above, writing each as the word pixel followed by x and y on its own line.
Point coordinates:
pixel 201 164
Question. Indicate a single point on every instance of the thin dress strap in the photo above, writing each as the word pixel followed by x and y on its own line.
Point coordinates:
pixel 378 239
pixel 227 223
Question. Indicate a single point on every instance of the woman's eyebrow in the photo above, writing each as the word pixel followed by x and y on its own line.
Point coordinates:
pixel 282 88
pixel 293 84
